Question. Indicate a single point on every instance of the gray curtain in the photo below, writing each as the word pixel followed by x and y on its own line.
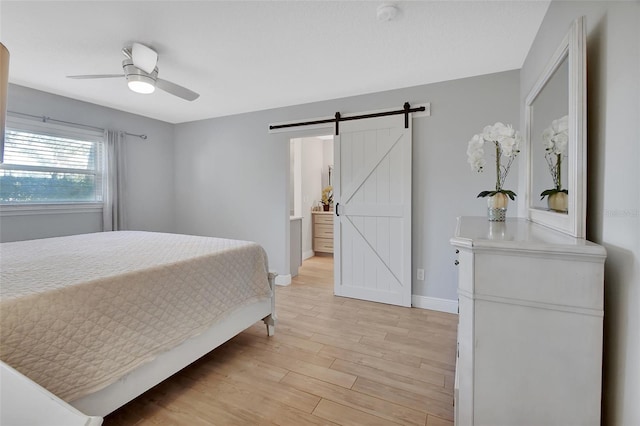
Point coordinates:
pixel 114 189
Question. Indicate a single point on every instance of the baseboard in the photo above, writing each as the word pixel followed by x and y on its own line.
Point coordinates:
pixel 283 280
pixel 307 254
pixel 434 304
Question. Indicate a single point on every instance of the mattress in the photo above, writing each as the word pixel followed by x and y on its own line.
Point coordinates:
pixel 79 312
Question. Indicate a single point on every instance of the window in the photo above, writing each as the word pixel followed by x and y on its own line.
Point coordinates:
pixel 46 163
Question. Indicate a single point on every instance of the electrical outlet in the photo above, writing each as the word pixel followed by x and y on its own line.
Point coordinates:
pixel 420 274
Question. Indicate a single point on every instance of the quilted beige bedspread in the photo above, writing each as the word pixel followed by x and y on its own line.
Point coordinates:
pixel 78 312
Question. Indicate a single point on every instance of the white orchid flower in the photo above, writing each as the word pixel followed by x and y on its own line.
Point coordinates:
pixel 505 143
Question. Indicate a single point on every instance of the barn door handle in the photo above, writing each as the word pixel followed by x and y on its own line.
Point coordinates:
pixel 337 205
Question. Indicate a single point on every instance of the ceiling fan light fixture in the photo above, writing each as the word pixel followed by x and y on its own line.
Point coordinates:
pixel 138 80
pixel 142 81
pixel 141 84
pixel 144 57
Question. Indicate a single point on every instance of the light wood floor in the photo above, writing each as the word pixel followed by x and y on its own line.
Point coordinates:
pixel 332 361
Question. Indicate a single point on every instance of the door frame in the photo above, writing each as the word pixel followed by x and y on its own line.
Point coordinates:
pixel 293 133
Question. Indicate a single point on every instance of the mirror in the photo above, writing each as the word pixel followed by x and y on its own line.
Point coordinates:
pixel 555 131
pixel 549 142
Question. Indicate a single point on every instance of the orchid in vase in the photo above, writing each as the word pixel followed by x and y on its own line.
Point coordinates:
pixel 504 141
pixel 327 197
pixel 556 140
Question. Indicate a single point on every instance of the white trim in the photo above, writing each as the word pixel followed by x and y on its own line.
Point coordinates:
pixel 434 304
pixel 36 209
pixel 47 169
pixel 573 50
pixel 307 254
pixel 283 280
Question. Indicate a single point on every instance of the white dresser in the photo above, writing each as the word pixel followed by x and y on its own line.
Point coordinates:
pixel 530 325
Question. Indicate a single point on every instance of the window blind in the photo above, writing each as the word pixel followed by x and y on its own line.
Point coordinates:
pixel 50 163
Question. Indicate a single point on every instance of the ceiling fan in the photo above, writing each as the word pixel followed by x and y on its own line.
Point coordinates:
pixel 141 71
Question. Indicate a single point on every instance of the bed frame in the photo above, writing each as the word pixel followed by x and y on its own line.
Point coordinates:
pixel 148 375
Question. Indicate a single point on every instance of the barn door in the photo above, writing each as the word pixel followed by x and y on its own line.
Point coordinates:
pixel 372 226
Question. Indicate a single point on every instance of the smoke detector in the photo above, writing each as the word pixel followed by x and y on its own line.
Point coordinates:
pixel 387 12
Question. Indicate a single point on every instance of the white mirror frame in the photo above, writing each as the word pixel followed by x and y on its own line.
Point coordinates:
pixel 573 47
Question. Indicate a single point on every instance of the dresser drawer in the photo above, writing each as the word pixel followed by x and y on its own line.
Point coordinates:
pixel 323 219
pixel 323 245
pixel 323 231
pixel 549 278
pixel 465 271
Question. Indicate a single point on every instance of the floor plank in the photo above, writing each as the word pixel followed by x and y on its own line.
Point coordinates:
pixel 332 361
pixel 348 416
pixel 356 400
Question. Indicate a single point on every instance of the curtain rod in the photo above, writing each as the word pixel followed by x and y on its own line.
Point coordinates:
pixel 338 118
pixel 44 119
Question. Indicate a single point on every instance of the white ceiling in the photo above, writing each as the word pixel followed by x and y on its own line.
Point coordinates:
pixel 246 56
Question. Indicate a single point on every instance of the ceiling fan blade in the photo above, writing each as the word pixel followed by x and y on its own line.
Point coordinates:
pixel 81 77
pixel 177 90
pixel 144 57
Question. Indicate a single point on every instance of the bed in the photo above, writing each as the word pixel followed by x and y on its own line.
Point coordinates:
pixel 97 319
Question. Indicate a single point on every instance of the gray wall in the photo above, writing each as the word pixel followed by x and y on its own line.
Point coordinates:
pixel 613 189
pixel 232 175
pixel 149 184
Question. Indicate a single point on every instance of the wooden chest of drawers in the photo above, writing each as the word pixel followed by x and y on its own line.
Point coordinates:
pixel 322 232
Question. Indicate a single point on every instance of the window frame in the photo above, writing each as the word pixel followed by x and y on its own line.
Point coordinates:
pixel 64 131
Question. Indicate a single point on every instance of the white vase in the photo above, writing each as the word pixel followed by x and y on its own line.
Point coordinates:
pixel 558 202
pixel 497 207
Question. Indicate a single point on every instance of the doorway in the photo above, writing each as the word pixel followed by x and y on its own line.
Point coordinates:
pixel 311 162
